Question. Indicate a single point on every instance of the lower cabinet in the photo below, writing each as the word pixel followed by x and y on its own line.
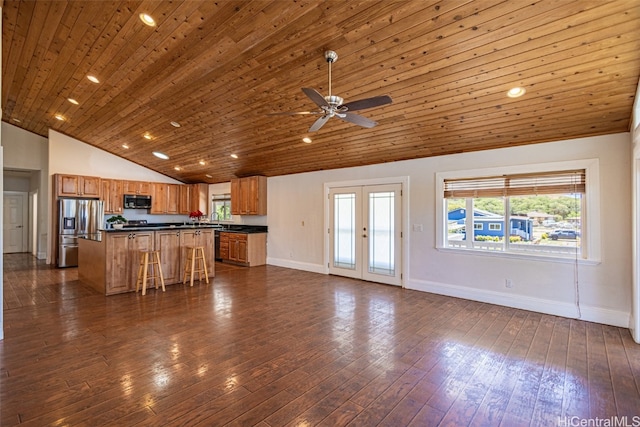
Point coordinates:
pixel 198 237
pixel 123 259
pixel 244 248
pixel 168 243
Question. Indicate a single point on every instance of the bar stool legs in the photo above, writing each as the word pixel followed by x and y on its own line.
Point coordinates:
pixel 150 269
pixel 196 263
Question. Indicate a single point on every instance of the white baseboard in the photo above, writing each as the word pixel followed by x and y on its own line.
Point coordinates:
pixel 296 265
pixel 556 308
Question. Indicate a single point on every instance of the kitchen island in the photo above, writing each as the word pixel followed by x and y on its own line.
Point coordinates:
pixel 109 262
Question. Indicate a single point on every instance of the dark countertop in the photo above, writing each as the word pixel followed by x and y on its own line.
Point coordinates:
pixel 232 228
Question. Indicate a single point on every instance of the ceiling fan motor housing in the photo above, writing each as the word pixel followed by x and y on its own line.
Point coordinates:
pixel 330 56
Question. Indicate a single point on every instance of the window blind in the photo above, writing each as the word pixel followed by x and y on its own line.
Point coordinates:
pixel 561 182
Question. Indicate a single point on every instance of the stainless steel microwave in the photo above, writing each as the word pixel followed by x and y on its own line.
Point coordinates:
pixel 132 201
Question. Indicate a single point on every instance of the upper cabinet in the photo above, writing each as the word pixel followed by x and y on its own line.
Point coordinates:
pixel 112 195
pixel 249 196
pixel 199 198
pixel 137 187
pixel 77 186
pixel 164 198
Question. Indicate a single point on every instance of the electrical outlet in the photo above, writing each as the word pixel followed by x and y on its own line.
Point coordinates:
pixel 508 283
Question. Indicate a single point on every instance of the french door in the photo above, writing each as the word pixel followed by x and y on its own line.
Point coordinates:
pixel 365 232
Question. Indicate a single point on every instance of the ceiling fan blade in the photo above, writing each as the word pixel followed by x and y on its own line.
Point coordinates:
pixel 361 104
pixel 315 96
pixel 319 123
pixel 358 120
pixel 295 113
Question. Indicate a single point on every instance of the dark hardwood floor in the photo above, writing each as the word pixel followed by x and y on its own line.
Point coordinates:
pixel 270 346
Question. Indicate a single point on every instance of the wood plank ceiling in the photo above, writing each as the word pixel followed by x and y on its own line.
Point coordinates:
pixel 220 68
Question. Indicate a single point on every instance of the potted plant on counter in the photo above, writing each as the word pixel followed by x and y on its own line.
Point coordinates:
pixel 117 221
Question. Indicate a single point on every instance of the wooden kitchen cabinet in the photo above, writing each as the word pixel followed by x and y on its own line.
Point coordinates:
pixel 249 196
pixel 193 197
pixel 168 243
pixel 123 255
pixel 77 186
pixel 244 248
pixel 112 196
pixel 164 198
pixel 137 187
pixel 198 237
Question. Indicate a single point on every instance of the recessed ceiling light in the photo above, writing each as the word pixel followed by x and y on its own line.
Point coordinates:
pixel 209 176
pixel 147 136
pixel 160 155
pixel 177 168
pixel 516 92
pixel 125 146
pixel 202 162
pixel 73 101
pixel 175 124
pixel 16 120
pixel 147 20
pixel 235 156
pixel 59 117
pixel 93 79
pixel 306 139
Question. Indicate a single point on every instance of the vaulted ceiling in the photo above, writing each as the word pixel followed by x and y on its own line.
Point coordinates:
pixel 220 69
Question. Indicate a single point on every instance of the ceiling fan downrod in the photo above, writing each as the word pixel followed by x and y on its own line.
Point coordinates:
pixel 333 101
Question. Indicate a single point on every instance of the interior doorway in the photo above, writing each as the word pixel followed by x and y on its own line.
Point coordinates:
pixel 365 232
pixel 15 222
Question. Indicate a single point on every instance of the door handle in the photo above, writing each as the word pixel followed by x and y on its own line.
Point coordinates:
pixel 364 235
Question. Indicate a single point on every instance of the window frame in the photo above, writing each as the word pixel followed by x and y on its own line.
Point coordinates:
pixel 220 198
pixel 590 215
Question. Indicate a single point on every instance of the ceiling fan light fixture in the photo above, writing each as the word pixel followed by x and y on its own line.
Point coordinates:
pixel 147 19
pixel 160 155
pixel 516 92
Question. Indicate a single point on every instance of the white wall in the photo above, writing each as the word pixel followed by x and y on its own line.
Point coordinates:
pixel 605 288
pixel 29 152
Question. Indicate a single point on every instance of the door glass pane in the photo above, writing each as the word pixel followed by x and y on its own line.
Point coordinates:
pixel 381 232
pixel 344 250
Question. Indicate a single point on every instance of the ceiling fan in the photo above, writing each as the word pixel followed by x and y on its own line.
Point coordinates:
pixel 331 105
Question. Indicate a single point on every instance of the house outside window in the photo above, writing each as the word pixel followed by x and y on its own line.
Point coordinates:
pixel 531 214
pixel 221 207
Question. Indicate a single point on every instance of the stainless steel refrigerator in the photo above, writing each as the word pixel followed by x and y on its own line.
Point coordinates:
pixel 76 218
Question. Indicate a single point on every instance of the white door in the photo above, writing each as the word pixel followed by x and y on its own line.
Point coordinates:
pixel 14 223
pixel 365 232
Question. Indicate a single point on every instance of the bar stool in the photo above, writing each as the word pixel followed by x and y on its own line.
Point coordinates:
pixel 196 263
pixel 150 269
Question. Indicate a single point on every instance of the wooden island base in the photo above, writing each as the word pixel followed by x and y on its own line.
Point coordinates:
pixel 110 265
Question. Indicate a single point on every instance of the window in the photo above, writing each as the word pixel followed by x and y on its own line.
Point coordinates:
pixel 538 213
pixel 221 207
